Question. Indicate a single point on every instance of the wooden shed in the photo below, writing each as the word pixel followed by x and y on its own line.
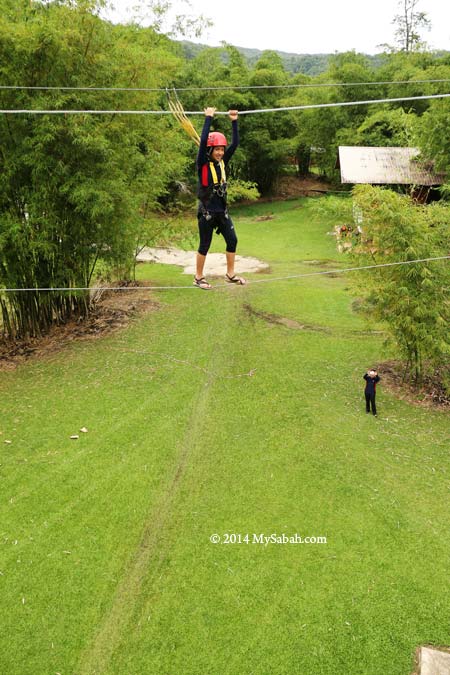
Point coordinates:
pixel 388 166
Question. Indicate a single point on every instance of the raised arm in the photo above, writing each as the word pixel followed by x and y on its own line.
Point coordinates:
pixel 202 156
pixel 233 115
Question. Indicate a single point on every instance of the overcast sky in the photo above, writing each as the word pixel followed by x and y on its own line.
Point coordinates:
pixel 316 26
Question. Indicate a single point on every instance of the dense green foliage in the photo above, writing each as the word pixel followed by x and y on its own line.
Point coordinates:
pixel 412 299
pixel 305 64
pixel 308 64
pixel 74 189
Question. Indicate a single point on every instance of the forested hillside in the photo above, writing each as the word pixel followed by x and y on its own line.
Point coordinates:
pixel 306 64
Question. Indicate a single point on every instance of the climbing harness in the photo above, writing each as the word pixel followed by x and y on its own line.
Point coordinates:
pixel 208 190
pixel 218 187
pixel 212 168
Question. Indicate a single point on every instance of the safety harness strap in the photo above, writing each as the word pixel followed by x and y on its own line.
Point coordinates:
pixel 214 176
pixel 214 172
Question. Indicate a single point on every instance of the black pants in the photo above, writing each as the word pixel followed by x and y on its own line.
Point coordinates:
pixel 220 222
pixel 370 401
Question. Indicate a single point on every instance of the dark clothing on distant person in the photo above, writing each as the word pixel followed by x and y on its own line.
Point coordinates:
pixel 370 391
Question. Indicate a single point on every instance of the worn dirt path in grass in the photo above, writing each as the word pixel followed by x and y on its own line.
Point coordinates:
pixel 149 552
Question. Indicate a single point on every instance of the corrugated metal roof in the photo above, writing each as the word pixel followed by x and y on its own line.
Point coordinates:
pixel 384 166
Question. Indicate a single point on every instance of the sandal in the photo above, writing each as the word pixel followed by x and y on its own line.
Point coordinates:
pixel 202 283
pixel 235 280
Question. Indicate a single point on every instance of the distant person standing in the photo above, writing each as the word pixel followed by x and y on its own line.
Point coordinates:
pixel 371 378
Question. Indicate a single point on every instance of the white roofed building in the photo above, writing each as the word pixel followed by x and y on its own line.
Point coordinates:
pixel 388 166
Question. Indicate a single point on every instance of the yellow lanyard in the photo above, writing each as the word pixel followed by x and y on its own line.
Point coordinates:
pixel 212 168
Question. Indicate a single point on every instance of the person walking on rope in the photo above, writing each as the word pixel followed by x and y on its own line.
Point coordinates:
pixel 212 159
pixel 371 378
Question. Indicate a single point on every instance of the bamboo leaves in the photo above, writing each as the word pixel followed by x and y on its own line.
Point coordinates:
pixel 72 188
pixel 411 299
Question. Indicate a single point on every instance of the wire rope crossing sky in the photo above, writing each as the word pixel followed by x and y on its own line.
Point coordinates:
pixel 201 112
pixel 225 285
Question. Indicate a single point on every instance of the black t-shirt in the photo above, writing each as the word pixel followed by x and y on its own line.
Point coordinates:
pixel 371 383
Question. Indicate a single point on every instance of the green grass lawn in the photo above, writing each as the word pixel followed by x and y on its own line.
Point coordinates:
pixel 205 418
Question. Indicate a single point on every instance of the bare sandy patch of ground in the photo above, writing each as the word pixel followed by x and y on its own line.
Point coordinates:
pixel 215 262
pixel 433 660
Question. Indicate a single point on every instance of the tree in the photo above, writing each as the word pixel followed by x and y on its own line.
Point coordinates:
pixel 161 17
pixel 386 127
pixel 73 189
pixel 433 138
pixel 266 138
pixel 409 23
pixel 411 299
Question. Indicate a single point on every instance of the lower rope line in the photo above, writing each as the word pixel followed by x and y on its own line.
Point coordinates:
pixel 350 269
pixel 224 285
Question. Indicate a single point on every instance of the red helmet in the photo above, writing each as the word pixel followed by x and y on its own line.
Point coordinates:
pixel 216 138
